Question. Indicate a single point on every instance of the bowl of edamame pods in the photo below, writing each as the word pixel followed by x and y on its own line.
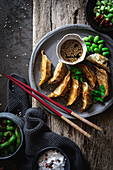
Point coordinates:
pixel 11 135
pixel 99 14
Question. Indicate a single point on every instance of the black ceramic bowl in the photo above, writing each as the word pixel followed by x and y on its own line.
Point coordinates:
pixel 90 18
pixel 40 153
pixel 16 120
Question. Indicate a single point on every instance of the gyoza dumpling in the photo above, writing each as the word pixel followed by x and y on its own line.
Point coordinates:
pixel 59 73
pixel 62 89
pixel 74 92
pixel 45 69
pixel 86 96
pixel 89 74
pixel 99 60
pixel 102 79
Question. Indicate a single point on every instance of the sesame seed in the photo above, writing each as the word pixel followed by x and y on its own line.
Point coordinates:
pixel 12 30
pixel 15 56
pixel 5 26
pixel 22 7
pixel 26 65
pixel 10 26
pixel 24 4
pixel 24 53
pixel 0 75
pixel 20 27
pixel 16 20
pixel 7 55
pixel 8 21
pixel 27 4
pixel 25 8
pixel 6 18
pixel 25 16
pixel 0 104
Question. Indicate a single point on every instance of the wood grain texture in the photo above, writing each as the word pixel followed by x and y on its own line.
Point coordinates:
pixel 98 152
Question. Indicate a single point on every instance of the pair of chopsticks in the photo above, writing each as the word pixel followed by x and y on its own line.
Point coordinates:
pixel 20 84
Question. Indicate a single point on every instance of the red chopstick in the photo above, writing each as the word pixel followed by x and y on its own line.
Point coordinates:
pixel 62 107
pixel 50 108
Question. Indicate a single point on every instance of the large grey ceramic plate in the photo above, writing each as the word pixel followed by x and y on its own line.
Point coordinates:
pixel 48 43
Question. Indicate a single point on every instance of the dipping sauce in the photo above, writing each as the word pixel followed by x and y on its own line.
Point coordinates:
pixel 71 50
pixel 51 160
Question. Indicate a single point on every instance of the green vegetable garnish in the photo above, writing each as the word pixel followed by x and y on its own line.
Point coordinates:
pixel 97 94
pixel 76 73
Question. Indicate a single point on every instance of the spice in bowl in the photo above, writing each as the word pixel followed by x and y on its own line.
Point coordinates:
pixel 71 50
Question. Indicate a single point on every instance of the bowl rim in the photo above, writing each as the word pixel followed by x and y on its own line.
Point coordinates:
pixel 38 154
pixel 6 117
pixel 68 37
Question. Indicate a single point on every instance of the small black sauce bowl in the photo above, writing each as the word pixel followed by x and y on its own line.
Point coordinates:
pixel 90 4
pixel 40 153
pixel 19 122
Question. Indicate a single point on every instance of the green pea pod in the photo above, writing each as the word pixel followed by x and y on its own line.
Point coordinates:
pixel 96 39
pixel 10 128
pixel 8 133
pixel 86 39
pixel 9 142
pixel 106 53
pixel 100 41
pixel 12 148
pixel 96 50
pixel 105 49
pixel 100 46
pixel 94 45
pixel 88 44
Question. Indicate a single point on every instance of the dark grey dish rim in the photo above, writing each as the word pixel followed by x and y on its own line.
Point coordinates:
pixel 49 35
pixel 34 163
pixel 6 115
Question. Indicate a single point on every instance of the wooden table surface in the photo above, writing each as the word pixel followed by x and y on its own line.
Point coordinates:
pixel 98 151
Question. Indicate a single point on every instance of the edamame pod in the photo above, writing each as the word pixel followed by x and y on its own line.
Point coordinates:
pixel 96 39
pixel 18 137
pixel 91 49
pixel 96 50
pixel 106 53
pixel 10 128
pixel 9 142
pixel 87 49
pixel 100 46
pixel 105 49
pixel 90 37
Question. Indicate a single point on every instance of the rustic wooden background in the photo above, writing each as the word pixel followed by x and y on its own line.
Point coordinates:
pixel 98 152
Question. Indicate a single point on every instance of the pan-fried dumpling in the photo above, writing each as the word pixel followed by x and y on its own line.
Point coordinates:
pixel 59 73
pixel 89 74
pixel 74 92
pixel 45 69
pixel 99 60
pixel 62 89
pixel 102 79
pixel 86 96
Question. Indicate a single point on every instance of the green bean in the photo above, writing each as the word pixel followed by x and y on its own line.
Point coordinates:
pixel 105 49
pixel 10 128
pixel 106 53
pixel 96 50
pixel 100 41
pixel 100 46
pixel 96 39
pixel 9 142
